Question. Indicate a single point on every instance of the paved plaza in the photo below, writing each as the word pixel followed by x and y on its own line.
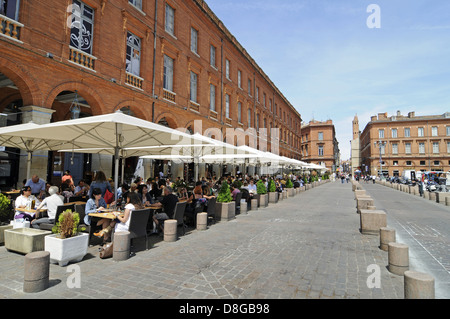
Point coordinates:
pixel 308 246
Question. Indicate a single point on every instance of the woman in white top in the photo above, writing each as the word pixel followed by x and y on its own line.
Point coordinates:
pixel 22 202
pixel 122 222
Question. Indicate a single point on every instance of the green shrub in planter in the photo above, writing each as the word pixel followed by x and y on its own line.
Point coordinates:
pixel 289 184
pixel 5 208
pixel 272 186
pixel 224 194
pixel 261 187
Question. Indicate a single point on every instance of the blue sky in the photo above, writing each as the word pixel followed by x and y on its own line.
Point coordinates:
pixel 330 65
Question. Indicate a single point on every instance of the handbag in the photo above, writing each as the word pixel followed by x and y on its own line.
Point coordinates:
pixel 106 251
pixel 109 197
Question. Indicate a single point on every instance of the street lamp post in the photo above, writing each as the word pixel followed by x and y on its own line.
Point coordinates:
pixel 380 145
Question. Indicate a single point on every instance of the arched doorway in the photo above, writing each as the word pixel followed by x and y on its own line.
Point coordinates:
pixel 70 104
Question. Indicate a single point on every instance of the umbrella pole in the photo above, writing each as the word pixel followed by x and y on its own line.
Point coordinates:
pixel 116 171
pixel 29 165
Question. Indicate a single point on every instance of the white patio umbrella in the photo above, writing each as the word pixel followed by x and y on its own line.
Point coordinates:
pixel 24 136
pixel 108 134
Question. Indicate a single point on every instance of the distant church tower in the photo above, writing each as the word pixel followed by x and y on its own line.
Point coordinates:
pixel 355 127
pixel 356 148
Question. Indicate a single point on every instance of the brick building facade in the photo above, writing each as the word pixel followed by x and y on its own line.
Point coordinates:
pixel 171 62
pixel 319 144
pixel 408 142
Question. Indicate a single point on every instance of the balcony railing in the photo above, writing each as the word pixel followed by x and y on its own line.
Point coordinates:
pixel 10 28
pixel 134 80
pixel 81 58
pixel 168 95
pixel 194 106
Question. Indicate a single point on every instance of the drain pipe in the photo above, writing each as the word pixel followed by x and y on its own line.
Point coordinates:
pixel 221 81
pixel 154 61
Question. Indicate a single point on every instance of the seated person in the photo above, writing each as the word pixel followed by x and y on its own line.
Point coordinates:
pixel 182 193
pixel 144 195
pixel 234 191
pixel 94 204
pixel 51 203
pixel 168 203
pixel 23 201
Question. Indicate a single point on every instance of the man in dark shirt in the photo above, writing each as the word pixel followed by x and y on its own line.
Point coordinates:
pixel 168 203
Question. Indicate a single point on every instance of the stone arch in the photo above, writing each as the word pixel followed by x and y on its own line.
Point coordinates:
pixel 135 107
pixel 89 94
pixel 25 82
pixel 172 123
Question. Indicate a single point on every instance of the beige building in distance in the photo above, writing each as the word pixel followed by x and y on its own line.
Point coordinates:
pixel 355 161
pixel 405 142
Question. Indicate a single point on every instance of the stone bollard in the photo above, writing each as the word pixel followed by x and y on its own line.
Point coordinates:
pixel 121 247
pixel 398 256
pixel 418 285
pixel 447 201
pixel 360 192
pixel 362 202
pixel 371 221
pixel 254 204
pixel 202 220
pixel 170 230
pixel 432 196
pixel 387 235
pixel 243 207
pixel 371 207
pixel 36 271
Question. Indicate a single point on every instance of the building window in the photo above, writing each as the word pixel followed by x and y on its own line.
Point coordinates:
pixel 407 132
pixel 320 150
pixel 212 56
pixel 194 40
pixel 82 27
pixel 170 20
pixel 383 149
pixel 227 69
pixel 257 121
pixel 227 106
pixel 408 163
pixel 133 62
pixel 420 132
pixel 249 116
pixel 395 148
pixel 168 73
pixel 212 97
pixel 320 136
pixel 448 147
pixel 239 79
pixel 448 130
pixel 257 94
pixel 421 148
pixel 434 131
pixel 249 87
pixel 239 112
pixel 264 99
pixel 435 147
pixel 395 163
pixel 436 163
pixel 381 133
pixel 408 148
pixel 394 133
pixel 136 3
pixel 193 87
pixel 10 8
pixel 422 163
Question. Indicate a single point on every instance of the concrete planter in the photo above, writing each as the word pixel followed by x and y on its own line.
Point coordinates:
pixel 25 240
pixel 291 192
pixel 264 200
pixel 225 211
pixel 273 197
pixel 63 251
pixel 2 232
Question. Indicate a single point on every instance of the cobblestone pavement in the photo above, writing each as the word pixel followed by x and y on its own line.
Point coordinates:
pixel 424 226
pixel 307 246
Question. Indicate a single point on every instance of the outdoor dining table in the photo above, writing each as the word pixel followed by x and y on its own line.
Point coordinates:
pixel 30 211
pixel 107 215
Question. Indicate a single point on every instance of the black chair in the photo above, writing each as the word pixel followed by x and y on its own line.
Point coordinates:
pixel 238 203
pixel 59 210
pixel 138 224
pixel 211 210
pixel 75 199
pixel 179 215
